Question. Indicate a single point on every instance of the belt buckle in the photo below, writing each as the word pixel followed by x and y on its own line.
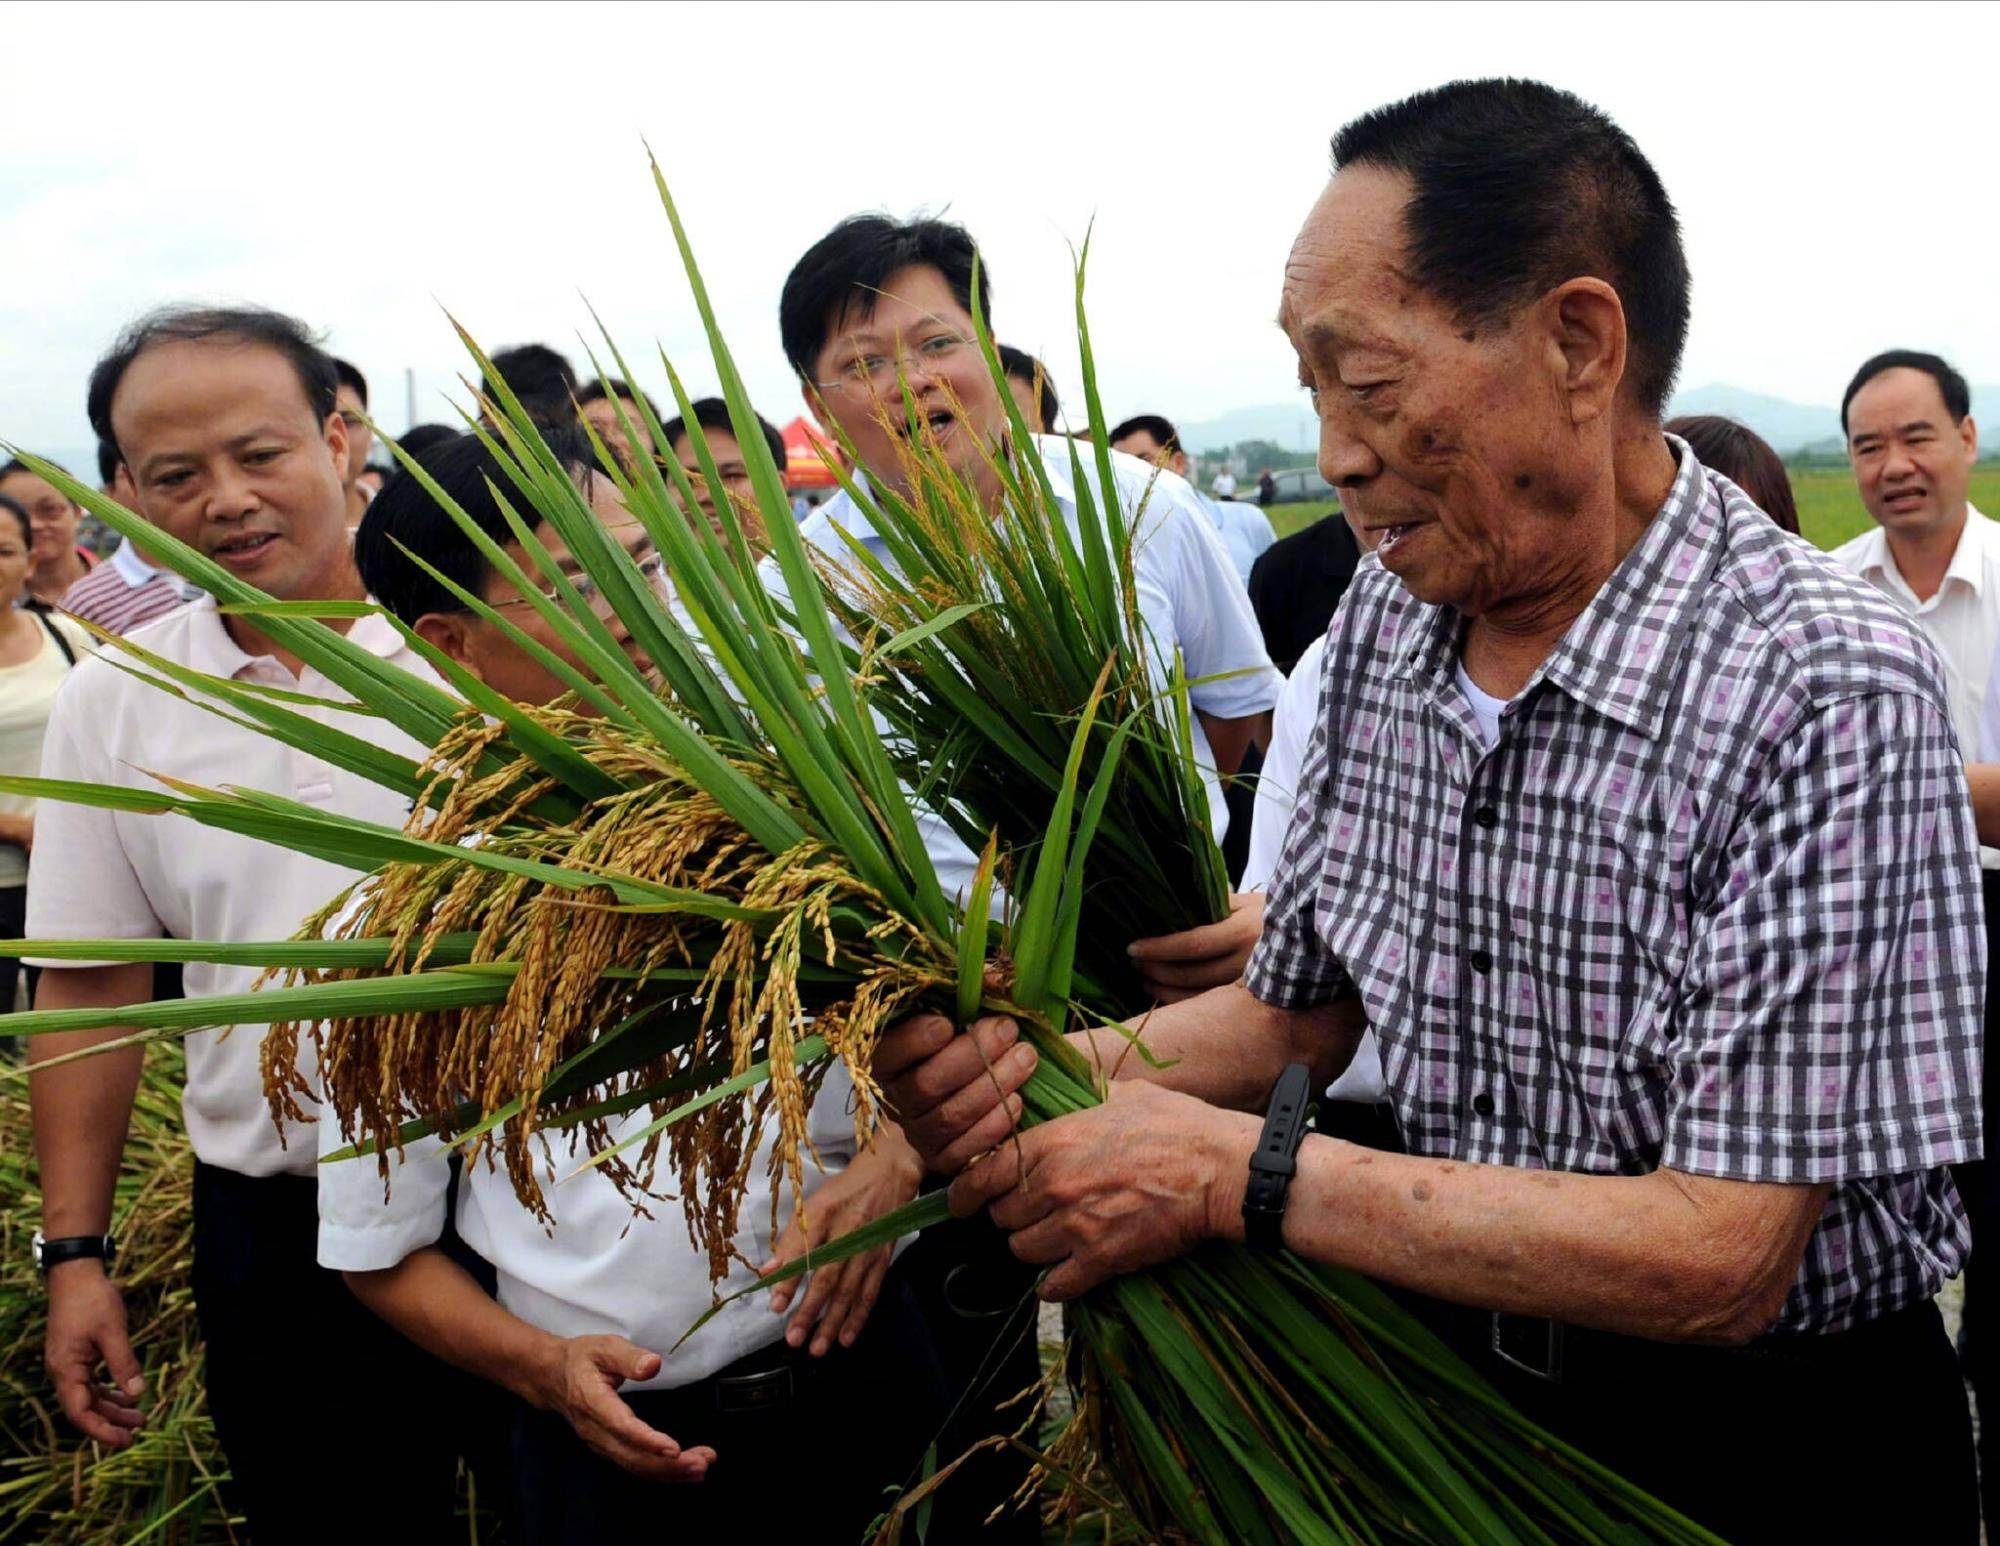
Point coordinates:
pixel 759 1392
pixel 1531 1344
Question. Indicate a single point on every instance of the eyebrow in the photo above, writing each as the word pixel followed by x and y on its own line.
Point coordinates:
pixel 1901 429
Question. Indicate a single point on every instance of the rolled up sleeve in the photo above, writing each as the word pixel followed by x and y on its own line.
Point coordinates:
pixel 365 1226
pixel 1832 1019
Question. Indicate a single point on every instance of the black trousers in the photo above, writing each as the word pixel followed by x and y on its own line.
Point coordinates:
pixel 806 1449
pixel 1860 1436
pixel 978 1303
pixel 1980 1345
pixel 13 925
pixel 335 1427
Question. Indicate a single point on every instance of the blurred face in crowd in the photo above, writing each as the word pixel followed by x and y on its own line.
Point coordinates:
pixel 53 517
pixel 1911 460
pixel 1462 452
pixel 603 416
pixel 1140 443
pixel 490 655
pixel 915 320
pixel 15 559
pixel 225 453
pixel 734 471
pixel 360 438
pixel 1028 401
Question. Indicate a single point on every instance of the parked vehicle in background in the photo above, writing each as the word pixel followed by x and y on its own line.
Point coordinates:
pixel 1296 485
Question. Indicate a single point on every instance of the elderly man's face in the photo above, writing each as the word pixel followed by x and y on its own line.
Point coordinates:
pixel 1453 447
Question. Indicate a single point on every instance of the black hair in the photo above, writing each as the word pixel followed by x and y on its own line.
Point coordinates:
pixel 405 513
pixel 1950 384
pixel 1019 365
pixel 713 413
pixel 1745 458
pixel 419 438
pixel 108 461
pixel 1517 187
pixel 850 264
pixel 605 387
pixel 352 379
pixel 199 324
pixel 19 511
pixel 1165 436
pixel 540 377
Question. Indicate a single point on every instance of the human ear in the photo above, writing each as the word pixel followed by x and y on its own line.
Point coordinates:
pixel 336 441
pixel 1586 330
pixel 1969 433
pixel 450 633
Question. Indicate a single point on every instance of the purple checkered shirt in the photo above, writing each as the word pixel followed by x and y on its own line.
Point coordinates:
pixel 1712 901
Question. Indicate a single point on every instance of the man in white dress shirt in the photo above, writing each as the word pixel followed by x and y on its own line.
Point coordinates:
pixel 873 305
pixel 1245 530
pixel 1910 435
pixel 586 1316
pixel 226 422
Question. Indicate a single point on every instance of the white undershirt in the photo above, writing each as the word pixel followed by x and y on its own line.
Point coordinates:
pixel 1485 708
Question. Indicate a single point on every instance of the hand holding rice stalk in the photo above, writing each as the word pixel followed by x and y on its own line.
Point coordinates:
pixel 696 894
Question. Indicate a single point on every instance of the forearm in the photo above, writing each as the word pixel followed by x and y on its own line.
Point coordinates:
pixel 81 1110
pixel 1664 1256
pixel 1227 1046
pixel 1983 782
pixel 439 1306
pixel 1230 739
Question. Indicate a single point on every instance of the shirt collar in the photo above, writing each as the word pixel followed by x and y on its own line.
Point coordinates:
pixel 1617 657
pixel 842 509
pixel 131 564
pixel 213 650
pixel 1968 559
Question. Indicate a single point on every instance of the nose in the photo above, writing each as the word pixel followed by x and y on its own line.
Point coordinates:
pixel 1898 464
pixel 230 494
pixel 1345 460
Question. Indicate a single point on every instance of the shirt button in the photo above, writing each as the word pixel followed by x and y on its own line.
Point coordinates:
pixel 1483 1104
pixel 1487 817
pixel 1481 961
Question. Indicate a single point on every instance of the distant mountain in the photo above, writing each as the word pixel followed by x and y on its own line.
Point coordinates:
pixel 1288 425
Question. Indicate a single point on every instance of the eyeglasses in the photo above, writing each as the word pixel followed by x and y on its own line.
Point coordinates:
pixel 874 375
pixel 652 569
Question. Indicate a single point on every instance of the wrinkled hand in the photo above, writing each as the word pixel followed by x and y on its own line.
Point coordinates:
pixel 582 1386
pixel 1178 966
pixel 87 1333
pixel 1142 1178
pixel 841 1296
pixel 953 1096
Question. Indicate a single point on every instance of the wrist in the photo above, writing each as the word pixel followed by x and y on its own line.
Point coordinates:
pixel 537 1375
pixel 1232 1139
pixel 72 1273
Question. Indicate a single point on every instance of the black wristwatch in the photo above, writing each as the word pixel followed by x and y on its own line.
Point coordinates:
pixel 53 1253
pixel 1276 1158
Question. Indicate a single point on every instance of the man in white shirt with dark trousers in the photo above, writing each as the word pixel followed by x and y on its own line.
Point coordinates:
pixel 1907 417
pixel 226 422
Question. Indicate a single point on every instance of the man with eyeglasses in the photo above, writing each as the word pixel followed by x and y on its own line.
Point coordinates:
pixel 873 307
pixel 227 425
pixel 586 1321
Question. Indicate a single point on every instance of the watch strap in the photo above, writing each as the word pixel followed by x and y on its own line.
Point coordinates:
pixel 1275 1159
pixel 53 1253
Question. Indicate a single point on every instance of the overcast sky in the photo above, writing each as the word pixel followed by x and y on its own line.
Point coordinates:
pixel 365 166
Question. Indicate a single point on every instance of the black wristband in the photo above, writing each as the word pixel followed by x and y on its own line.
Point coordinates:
pixel 53 1253
pixel 1276 1158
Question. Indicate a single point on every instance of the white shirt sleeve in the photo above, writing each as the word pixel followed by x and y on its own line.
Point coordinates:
pixel 360 1229
pixel 1183 559
pixel 81 883
pixel 1278 783
pixel 1989 716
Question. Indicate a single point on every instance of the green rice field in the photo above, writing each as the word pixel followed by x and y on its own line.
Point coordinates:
pixel 1830 511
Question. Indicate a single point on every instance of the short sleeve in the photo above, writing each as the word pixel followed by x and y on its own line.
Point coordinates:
pixel 364 1227
pixel 1832 1013
pixel 1291 967
pixel 1180 550
pixel 81 883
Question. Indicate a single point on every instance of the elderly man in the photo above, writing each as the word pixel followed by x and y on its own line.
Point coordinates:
pixel 1634 830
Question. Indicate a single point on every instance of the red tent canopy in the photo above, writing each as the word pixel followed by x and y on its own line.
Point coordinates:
pixel 808 455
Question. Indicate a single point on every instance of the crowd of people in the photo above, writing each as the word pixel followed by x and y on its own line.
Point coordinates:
pixel 1609 856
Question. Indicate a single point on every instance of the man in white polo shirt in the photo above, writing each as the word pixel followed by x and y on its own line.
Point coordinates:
pixel 225 420
pixel 1907 417
pixel 874 304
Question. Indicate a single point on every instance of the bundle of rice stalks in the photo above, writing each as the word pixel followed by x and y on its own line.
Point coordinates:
pixel 163 1488
pixel 712 883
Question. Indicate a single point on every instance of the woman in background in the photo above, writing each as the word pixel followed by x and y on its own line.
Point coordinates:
pixel 57 560
pixel 1745 458
pixel 37 649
